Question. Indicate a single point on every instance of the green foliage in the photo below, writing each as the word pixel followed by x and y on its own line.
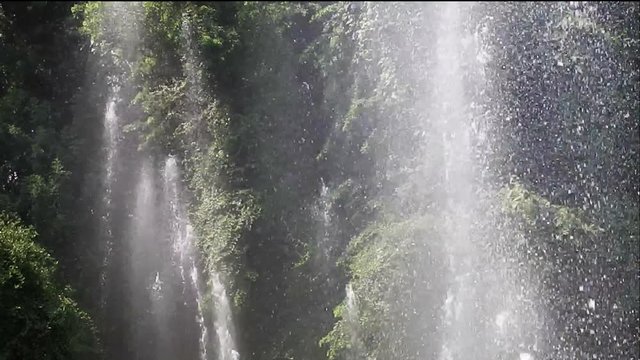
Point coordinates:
pixel 377 160
pixel 339 341
pixel 537 212
pixel 92 22
pixel 162 106
pixel 39 319
pixel 101 22
pixel 164 20
pixel 39 150
pixel 385 262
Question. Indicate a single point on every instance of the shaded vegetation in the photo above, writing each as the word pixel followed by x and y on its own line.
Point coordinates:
pixel 39 318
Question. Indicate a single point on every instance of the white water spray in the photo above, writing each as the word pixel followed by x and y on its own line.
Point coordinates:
pixel 223 320
pixel 451 112
pixel 183 246
pixel 222 314
pixel 482 311
pixel 351 316
pixel 110 138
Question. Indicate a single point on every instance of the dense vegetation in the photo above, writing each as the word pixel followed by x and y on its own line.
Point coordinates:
pixel 39 318
pixel 281 113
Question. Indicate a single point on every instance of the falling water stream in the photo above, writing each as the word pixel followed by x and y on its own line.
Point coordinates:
pixel 451 110
pixel 482 297
pixel 222 314
pixel 163 297
pixel 111 135
pixel 351 316
pixel 223 321
pixel 165 277
pixel 147 283
pixel 184 256
pixel 182 239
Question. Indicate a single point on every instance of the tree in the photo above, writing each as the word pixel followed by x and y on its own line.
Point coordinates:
pixel 39 318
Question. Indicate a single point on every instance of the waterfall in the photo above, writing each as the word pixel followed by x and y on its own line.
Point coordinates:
pixel 325 242
pixel 415 120
pixel 486 299
pixel 222 315
pixel 182 240
pixel 351 317
pixel 146 276
pixel 155 285
pixel 110 138
pixel 223 320
pixel 450 110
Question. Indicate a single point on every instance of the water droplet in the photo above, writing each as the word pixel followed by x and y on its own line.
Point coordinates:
pixel 526 356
